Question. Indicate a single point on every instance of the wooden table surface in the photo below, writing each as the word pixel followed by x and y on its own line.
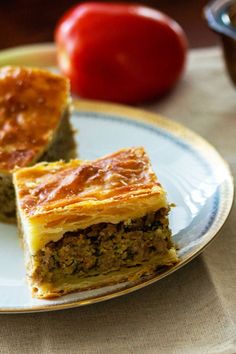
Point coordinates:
pixel 26 22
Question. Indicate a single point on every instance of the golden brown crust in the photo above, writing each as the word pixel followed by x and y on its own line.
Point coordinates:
pixel 59 197
pixel 31 104
pixel 115 177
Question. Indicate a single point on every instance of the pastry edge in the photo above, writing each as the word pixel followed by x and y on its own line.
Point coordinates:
pixel 135 275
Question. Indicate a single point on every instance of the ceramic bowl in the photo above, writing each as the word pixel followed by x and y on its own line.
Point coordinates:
pixel 221 18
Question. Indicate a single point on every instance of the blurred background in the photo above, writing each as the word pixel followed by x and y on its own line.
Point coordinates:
pixel 27 22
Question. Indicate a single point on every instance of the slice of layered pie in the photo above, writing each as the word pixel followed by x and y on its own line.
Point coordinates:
pixel 89 224
pixel 34 125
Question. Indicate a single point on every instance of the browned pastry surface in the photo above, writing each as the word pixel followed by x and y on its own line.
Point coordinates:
pixel 31 104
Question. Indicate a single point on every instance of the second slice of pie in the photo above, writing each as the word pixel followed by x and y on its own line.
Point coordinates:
pixel 34 125
pixel 90 224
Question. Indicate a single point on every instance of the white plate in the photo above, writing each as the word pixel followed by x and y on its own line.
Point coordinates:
pixel 196 178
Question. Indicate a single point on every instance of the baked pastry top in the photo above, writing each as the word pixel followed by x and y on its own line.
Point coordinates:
pixel 54 198
pixel 31 104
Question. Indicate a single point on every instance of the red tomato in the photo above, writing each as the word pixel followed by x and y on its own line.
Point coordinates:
pixel 120 52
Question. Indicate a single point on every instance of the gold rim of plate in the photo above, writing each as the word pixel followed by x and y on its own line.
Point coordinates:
pixel 11 56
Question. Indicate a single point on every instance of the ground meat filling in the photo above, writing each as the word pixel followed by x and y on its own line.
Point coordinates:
pixel 104 247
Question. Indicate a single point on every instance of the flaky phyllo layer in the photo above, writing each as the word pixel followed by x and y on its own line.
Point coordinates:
pixel 32 103
pixel 88 224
